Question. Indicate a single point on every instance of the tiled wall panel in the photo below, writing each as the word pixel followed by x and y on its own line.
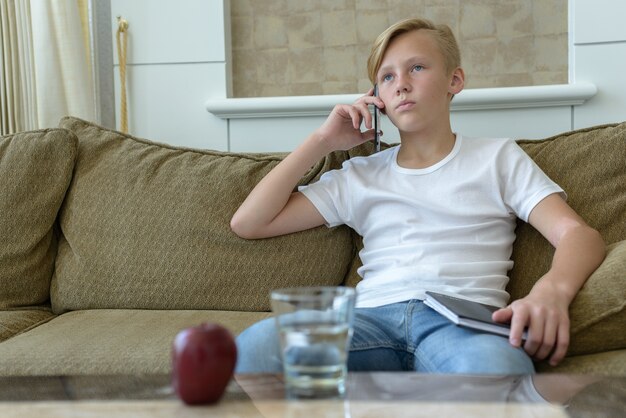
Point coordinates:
pixel 300 47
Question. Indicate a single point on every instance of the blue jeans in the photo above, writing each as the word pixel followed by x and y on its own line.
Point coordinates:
pixel 405 336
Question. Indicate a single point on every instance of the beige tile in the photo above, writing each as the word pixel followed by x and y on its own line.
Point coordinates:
pixel 339 28
pixel 241 32
pixel 243 88
pixel 478 81
pixel 363 85
pixel 269 32
pixel 549 77
pixel 515 55
pixel 371 5
pixel 301 6
pixel 402 9
pixel 514 79
pixel 514 18
pixel 551 53
pixel 245 64
pixel 306 65
pixel 331 5
pixel 340 63
pixel 272 66
pixel 306 89
pixel 550 17
pixel 448 13
pixel 479 56
pixel 477 20
pixel 362 52
pixel 304 30
pixel 270 7
pixel 279 45
pixel 245 73
pixel 241 8
pixel 271 90
pixel 441 2
pixel 339 87
pixel 369 24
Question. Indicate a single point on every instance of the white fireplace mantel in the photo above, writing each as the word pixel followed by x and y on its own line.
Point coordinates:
pixel 470 99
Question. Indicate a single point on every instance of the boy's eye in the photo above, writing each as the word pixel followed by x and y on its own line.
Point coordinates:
pixel 387 77
pixel 417 68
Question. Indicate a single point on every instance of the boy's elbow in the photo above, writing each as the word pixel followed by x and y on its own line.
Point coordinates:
pixel 239 227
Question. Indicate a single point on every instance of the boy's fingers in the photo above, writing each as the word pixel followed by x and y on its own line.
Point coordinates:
pixel 519 320
pixel 368 135
pixel 549 339
pixel 503 315
pixel 562 343
pixel 536 327
pixel 355 115
pixel 367 116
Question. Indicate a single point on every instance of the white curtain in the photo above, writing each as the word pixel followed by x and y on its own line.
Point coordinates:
pixel 18 111
pixel 45 63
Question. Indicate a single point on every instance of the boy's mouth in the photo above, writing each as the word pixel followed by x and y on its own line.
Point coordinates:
pixel 405 105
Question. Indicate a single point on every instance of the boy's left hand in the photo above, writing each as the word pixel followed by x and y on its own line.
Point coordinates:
pixel 545 312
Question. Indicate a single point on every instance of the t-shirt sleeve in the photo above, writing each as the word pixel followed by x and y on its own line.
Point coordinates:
pixel 329 196
pixel 525 184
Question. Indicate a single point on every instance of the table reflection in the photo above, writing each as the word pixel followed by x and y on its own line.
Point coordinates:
pixel 399 395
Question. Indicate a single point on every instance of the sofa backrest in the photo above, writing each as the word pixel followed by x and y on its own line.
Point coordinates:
pixel 590 165
pixel 146 225
pixel 36 169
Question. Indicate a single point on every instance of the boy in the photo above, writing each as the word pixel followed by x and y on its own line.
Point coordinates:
pixel 435 213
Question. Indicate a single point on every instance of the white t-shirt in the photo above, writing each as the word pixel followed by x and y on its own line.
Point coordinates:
pixel 448 228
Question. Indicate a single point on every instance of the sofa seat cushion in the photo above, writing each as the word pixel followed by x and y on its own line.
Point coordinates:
pixel 608 363
pixel 108 341
pixel 35 168
pixel 18 321
pixel 146 225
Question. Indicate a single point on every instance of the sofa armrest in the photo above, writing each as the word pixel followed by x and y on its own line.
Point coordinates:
pixel 598 314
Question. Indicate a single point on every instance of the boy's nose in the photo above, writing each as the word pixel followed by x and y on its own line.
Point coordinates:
pixel 402 86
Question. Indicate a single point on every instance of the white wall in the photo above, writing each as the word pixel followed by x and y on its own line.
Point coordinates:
pixel 598 54
pixel 178 56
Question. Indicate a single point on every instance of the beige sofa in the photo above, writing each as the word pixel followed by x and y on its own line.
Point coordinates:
pixel 111 244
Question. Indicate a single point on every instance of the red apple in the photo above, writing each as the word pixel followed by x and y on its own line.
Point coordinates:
pixel 203 360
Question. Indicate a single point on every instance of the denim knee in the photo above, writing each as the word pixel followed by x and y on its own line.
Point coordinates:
pixel 478 354
pixel 258 349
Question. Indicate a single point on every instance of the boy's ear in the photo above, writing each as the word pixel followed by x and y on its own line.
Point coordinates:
pixel 457 82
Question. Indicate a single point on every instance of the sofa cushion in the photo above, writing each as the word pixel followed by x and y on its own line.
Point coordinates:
pixel 15 322
pixel 607 363
pixel 146 225
pixel 35 168
pixel 598 313
pixel 108 341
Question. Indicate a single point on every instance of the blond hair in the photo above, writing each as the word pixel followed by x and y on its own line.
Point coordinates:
pixel 442 34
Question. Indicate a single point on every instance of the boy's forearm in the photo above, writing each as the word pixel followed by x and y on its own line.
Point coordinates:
pixel 271 194
pixel 578 254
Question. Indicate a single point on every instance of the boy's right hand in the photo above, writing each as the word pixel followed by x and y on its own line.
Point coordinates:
pixel 342 128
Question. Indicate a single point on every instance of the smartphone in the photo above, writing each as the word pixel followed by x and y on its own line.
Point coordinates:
pixel 376 122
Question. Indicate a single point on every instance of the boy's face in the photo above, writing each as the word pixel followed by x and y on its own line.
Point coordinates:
pixel 414 83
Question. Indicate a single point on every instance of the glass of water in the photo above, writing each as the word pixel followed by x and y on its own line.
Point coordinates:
pixel 315 328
